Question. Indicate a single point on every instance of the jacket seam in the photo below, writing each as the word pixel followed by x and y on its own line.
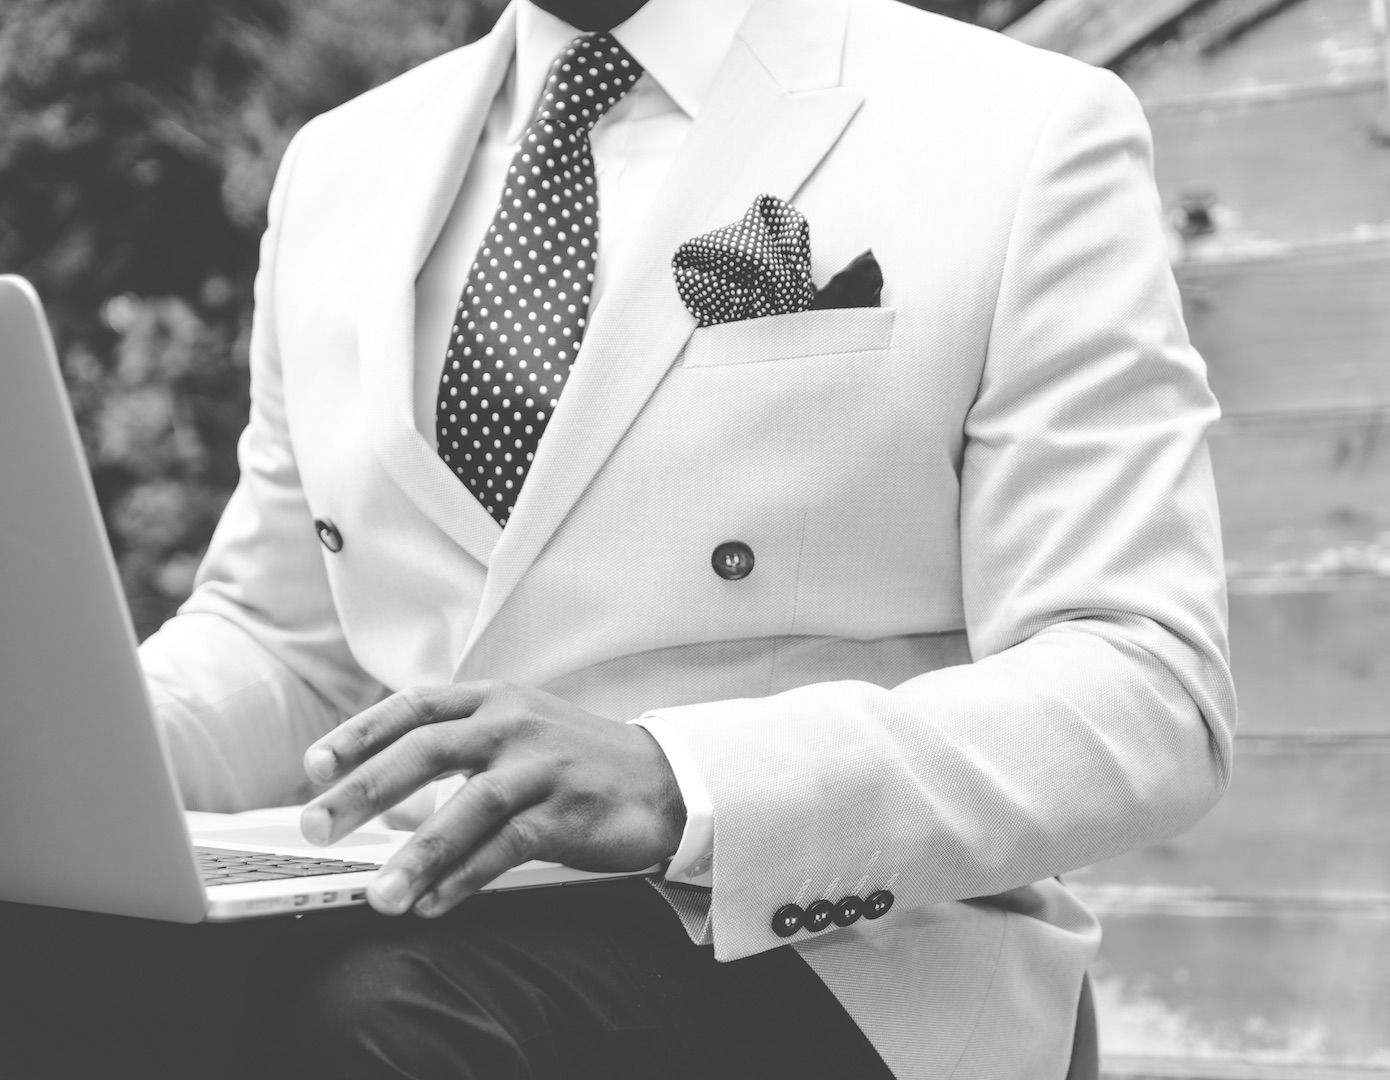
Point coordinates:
pixel 984 998
pixel 796 603
pixel 857 351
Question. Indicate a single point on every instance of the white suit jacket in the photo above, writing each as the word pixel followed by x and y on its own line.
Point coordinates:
pixel 984 641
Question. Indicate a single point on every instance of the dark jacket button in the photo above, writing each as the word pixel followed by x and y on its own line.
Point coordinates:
pixel 848 910
pixel 329 535
pixel 819 915
pixel 787 921
pixel 877 905
pixel 733 561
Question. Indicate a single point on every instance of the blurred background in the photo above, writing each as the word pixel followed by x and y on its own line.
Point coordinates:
pixel 138 142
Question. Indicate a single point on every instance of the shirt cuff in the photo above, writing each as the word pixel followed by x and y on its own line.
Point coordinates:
pixel 693 862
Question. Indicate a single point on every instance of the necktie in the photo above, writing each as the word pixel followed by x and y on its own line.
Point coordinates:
pixel 523 310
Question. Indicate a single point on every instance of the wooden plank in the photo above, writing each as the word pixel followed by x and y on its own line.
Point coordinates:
pixel 1096 31
pixel 1305 497
pixel 1302 818
pixel 1290 167
pixel 1309 42
pixel 1303 989
pixel 1118 1067
pixel 1313 659
pixel 1296 333
pixel 1218 25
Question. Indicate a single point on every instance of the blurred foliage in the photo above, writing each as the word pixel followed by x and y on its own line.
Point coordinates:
pixel 139 142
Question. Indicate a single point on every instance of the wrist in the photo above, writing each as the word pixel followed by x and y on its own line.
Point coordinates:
pixel 664 800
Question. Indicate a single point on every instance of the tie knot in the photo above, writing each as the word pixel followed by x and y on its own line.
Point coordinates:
pixel 587 77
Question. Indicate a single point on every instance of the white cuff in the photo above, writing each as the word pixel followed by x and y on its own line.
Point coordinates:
pixel 693 862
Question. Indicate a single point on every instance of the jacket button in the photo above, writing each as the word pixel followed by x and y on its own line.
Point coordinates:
pixel 733 561
pixel 819 915
pixel 848 910
pixel 329 535
pixel 787 921
pixel 877 905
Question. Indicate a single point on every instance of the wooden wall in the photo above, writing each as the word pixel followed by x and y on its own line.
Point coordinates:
pixel 1258 945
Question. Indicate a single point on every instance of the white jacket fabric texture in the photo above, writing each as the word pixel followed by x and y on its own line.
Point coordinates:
pixel 984 641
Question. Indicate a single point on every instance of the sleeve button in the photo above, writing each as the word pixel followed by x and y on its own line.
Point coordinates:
pixel 787 921
pixel 819 915
pixel 877 905
pixel 848 911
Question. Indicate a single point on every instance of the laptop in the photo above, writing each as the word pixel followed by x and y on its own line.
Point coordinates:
pixel 90 813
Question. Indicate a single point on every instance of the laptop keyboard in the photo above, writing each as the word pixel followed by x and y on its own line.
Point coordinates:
pixel 219 866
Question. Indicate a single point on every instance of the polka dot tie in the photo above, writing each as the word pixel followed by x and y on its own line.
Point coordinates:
pixel 523 310
pixel 760 265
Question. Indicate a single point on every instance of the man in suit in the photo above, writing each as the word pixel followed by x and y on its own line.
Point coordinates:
pixel 912 599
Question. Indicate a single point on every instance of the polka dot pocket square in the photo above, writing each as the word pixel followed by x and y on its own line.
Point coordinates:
pixel 761 265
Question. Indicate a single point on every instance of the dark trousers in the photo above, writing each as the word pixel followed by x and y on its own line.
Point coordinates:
pixel 595 980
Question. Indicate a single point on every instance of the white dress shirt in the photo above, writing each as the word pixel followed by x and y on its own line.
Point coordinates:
pixel 680 47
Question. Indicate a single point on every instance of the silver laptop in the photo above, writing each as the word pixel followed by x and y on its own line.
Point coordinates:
pixel 90 814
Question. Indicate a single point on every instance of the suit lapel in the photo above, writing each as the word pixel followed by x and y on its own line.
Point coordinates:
pixel 775 110
pixel 403 224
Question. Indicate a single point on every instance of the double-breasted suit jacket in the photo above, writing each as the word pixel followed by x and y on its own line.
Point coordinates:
pixel 983 642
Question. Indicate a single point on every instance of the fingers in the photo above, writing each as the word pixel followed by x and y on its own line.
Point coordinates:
pixel 392 749
pixel 388 751
pixel 477 835
pixel 406 765
pixel 411 813
pixel 513 843
pixel 353 742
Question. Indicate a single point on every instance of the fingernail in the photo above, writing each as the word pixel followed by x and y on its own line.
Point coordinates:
pixel 319 763
pixel 391 887
pixel 316 825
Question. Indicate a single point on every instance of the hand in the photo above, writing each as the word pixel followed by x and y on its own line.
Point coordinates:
pixel 547 781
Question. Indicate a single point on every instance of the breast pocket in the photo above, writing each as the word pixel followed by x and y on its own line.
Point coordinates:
pixel 833 332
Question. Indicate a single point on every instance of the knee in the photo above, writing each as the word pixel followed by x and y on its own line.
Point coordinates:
pixel 376 1007
pixel 327 1003
pixel 345 1005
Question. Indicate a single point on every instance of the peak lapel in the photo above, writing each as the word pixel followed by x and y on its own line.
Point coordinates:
pixel 404 223
pixel 775 110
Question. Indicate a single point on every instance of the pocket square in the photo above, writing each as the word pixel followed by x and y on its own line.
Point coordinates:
pixel 761 265
pixel 758 266
pixel 860 284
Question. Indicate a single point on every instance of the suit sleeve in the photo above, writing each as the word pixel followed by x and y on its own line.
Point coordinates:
pixel 1098 714
pixel 255 667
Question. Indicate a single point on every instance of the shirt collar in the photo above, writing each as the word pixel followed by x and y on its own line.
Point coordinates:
pixel 679 43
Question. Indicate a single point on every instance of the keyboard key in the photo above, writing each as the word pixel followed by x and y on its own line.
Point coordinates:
pixel 226 866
